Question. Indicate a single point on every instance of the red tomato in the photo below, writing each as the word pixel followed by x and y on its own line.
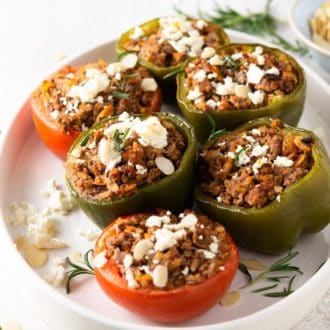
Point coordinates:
pixel 166 306
pixel 60 142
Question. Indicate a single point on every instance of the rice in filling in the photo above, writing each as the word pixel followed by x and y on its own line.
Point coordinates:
pixel 252 168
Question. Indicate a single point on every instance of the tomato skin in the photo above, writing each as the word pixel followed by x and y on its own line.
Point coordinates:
pixel 58 142
pixel 166 306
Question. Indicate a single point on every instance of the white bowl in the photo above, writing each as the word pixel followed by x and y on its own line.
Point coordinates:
pixel 300 13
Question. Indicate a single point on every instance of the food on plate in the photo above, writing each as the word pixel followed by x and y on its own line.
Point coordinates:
pixel 240 82
pixel 267 183
pixel 164 267
pixel 128 164
pixel 75 98
pixel 320 25
pixel 164 44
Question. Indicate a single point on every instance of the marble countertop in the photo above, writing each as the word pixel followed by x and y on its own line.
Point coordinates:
pixel 35 35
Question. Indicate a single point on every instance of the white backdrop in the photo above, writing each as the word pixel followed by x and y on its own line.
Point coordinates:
pixel 34 36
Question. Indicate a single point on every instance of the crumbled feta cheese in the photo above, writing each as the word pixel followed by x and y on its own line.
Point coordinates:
pixel 259 164
pixel 128 61
pixel 137 33
pixel 231 155
pixel 165 239
pixel 131 282
pixel 211 76
pixel 157 221
pixel 185 271
pixel 215 60
pixel 259 150
pixel 191 65
pixel 57 276
pixel 201 24
pixel 69 75
pixel 213 247
pixel 282 161
pixel 113 68
pixel 260 60
pixel 100 259
pixel 149 85
pixel 140 169
pixel 278 198
pixel 54 114
pixel 118 76
pixel 222 268
pixel 200 75
pixel 256 97
pixel 107 154
pixel 207 52
pixel 179 47
pixel 207 254
pixel 219 199
pixel 227 88
pixel 141 248
pixel 249 138
pixel 151 132
pixel 194 94
pixel 242 157
pixel 256 131
pixel 95 83
pixel 257 51
pixel 273 70
pixel 212 104
pixel 254 74
pixel 236 56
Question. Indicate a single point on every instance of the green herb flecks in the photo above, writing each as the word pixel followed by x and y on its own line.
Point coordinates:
pixel 119 138
pixel 120 95
pixel 230 64
pixel 215 135
pixel 238 155
pixel 261 24
pixel 280 266
pixel 78 270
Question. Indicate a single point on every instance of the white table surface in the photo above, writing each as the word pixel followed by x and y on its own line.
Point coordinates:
pixel 34 36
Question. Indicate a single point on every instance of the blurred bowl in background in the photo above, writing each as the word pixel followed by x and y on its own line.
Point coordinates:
pixel 300 14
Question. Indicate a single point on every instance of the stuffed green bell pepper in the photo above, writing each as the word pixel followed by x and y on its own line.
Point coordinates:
pixel 239 83
pixel 127 164
pixel 267 183
pixel 165 44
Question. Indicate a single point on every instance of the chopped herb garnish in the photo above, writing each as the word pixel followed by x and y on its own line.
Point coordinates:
pixel 230 64
pixel 237 156
pixel 78 269
pixel 120 95
pixel 119 138
pixel 266 288
pixel 215 135
pixel 84 140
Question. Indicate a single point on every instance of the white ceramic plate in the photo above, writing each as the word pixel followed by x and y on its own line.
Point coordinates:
pixel 26 165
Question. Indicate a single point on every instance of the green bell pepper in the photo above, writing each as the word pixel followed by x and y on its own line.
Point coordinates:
pixel 303 206
pixel 161 72
pixel 288 107
pixel 173 192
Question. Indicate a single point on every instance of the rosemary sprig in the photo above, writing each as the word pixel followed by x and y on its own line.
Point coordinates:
pixel 285 292
pixel 120 95
pixel 78 270
pixel 281 265
pixel 215 135
pixel 261 24
pixel 119 138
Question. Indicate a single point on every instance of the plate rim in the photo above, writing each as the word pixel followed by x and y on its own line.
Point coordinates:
pixel 248 320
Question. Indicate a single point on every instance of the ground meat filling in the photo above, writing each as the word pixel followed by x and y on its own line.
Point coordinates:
pixel 252 168
pixel 76 98
pixel 163 251
pixel 123 157
pixel 239 78
pixel 176 39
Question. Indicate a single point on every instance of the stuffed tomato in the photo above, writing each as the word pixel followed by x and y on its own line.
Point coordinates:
pixel 75 98
pixel 164 267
